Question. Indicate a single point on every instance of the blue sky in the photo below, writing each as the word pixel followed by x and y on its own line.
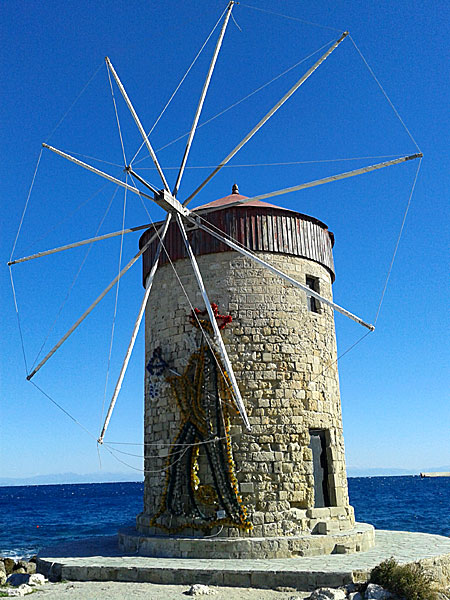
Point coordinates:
pixel 394 384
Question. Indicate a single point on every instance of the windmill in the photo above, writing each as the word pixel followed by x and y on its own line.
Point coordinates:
pixel 186 220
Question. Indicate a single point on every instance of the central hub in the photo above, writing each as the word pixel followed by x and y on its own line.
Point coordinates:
pixel 169 203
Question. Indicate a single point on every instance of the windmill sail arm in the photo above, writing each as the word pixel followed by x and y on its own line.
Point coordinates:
pixel 202 99
pixel 98 172
pixel 271 112
pixel 217 336
pixel 310 184
pixel 281 274
pixel 80 243
pixel 125 363
pixel 94 304
pixel 137 324
pixel 137 121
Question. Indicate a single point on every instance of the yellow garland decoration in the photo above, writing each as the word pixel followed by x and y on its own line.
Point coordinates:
pixel 186 409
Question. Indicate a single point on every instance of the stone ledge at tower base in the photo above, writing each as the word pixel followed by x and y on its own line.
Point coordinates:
pixel 100 559
pixel 358 539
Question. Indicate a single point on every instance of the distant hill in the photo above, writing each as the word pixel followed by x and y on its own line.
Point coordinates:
pixel 59 478
pixel 381 472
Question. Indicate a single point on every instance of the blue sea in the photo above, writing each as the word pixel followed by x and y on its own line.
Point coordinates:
pixel 35 516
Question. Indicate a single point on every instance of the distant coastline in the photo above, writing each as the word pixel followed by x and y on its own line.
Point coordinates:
pixel 70 478
pixel 100 477
pixel 390 472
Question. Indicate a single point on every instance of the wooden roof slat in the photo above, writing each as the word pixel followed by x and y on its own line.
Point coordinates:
pixel 259 228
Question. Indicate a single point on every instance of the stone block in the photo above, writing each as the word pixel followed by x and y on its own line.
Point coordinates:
pixel 345 524
pixel 264 579
pixel 326 527
pixel 237 578
pixel 270 529
pixel 247 488
pixel 110 573
pixel 337 511
pixel 72 572
pixel 346 548
pixel 257 518
pixel 318 513
pixel 206 577
pixel 127 574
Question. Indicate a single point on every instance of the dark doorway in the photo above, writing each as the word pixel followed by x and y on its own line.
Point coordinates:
pixel 320 467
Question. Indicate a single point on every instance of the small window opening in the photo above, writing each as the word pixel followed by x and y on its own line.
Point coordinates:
pixel 313 284
pixel 320 467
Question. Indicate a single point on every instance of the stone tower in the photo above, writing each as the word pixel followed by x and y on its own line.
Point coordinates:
pixel 212 489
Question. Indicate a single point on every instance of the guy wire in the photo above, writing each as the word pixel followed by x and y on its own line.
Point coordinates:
pixel 385 93
pixel 397 242
pixel 26 206
pixel 178 86
pixel 18 320
pixel 74 102
pixel 271 12
pixel 74 280
pixel 219 114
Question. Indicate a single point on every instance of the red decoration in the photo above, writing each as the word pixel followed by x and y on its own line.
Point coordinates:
pixel 222 320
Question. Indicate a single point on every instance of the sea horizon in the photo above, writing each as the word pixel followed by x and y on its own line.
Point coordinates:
pixel 86 478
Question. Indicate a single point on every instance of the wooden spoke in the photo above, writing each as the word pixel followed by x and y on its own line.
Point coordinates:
pixel 148 287
pixel 98 172
pixel 80 243
pixel 217 336
pixel 276 271
pixel 310 184
pixel 271 112
pixel 94 304
pixel 138 122
pixel 202 99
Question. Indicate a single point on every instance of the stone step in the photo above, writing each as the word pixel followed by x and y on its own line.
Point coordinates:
pixel 357 539
pixel 99 559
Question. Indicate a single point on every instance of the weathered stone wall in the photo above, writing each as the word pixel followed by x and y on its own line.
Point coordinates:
pixel 284 358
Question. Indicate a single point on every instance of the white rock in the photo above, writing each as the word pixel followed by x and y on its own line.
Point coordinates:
pixel 328 594
pixel 22 590
pixel 25 588
pixel 355 596
pixel 376 592
pixel 36 579
pixel 199 589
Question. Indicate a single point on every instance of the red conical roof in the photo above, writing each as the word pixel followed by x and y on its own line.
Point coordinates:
pixel 235 199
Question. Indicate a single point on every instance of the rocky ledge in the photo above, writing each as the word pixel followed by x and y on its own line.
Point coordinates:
pixel 11 565
pixel 19 577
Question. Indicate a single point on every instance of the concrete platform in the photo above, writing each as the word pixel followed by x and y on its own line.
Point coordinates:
pixel 99 559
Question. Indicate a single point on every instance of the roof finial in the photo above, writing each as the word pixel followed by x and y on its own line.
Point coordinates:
pixel 235 189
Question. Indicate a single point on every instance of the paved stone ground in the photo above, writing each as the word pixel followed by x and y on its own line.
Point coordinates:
pixel 98 559
pixel 107 590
